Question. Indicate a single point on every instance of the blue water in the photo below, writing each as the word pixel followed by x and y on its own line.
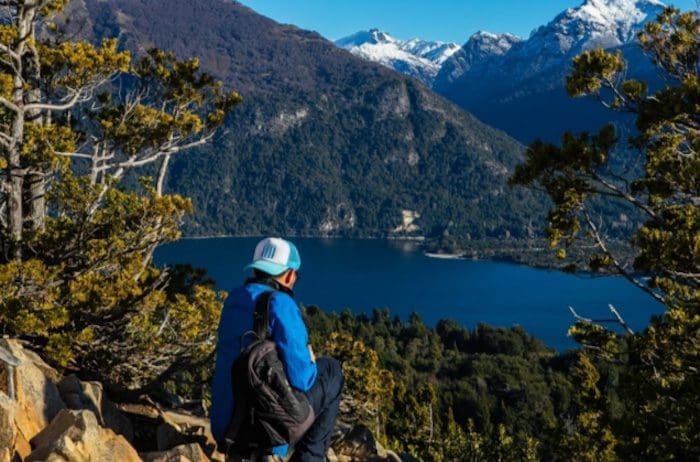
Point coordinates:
pixel 366 274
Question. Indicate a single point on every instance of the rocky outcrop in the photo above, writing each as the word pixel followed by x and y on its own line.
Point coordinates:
pixel 76 436
pixel 90 395
pixel 29 399
pixel 8 432
pixel 46 417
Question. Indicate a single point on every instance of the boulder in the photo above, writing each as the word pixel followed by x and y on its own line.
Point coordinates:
pixel 76 436
pixel 183 453
pixel 8 432
pixel 37 400
pixel 158 430
pixel 90 396
pixel 359 444
pixel 13 446
pixel 180 428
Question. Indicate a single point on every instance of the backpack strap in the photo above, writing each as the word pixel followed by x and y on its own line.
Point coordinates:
pixel 261 316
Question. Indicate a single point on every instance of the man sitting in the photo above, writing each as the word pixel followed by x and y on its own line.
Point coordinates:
pixel 275 267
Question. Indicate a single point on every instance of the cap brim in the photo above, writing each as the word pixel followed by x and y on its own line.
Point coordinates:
pixel 273 269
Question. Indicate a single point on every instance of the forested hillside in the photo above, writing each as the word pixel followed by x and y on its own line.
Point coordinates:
pixel 324 143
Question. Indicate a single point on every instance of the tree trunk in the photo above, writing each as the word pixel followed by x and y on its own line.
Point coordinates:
pixel 37 201
pixel 25 19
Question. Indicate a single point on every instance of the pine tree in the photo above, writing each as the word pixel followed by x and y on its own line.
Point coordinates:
pixel 661 382
pixel 76 274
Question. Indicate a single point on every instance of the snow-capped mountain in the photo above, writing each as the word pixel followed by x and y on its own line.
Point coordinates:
pixel 596 23
pixel 418 58
pixel 479 47
pixel 521 90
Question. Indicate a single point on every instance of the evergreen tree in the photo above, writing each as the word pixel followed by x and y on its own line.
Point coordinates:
pixel 660 384
pixel 76 275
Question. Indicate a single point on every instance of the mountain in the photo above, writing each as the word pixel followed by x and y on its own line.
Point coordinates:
pixel 478 48
pixel 522 90
pixel 418 58
pixel 325 143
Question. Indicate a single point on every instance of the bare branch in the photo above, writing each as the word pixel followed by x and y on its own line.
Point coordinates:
pixel 617 320
pixel 620 269
pixel 10 52
pixel 162 173
pixel 10 105
pixel 79 155
pixel 164 150
pixel 620 320
pixel 579 317
pixel 623 194
pixel 70 102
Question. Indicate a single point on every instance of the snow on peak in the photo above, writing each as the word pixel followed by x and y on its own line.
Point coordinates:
pixel 485 43
pixel 596 23
pixel 480 47
pixel 418 58
pixel 372 36
pixel 621 13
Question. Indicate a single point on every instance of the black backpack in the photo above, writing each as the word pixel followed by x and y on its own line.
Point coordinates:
pixel 267 410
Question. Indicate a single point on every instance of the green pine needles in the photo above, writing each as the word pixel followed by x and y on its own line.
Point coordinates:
pixel 76 275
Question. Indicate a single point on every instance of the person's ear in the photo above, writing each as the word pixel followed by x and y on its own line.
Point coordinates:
pixel 288 277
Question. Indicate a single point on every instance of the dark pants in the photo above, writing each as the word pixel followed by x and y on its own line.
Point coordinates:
pixel 324 397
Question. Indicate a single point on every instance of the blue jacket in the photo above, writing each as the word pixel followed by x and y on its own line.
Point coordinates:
pixel 288 332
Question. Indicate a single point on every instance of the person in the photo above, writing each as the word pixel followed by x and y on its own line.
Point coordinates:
pixel 275 267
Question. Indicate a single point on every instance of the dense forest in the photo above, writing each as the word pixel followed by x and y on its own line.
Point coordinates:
pixel 449 393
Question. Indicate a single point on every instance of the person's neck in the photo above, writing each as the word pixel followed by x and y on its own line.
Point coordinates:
pixel 275 283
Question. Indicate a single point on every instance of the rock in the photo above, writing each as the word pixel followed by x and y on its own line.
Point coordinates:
pixel 36 397
pixel 8 433
pixel 90 396
pixel 13 446
pixel 168 436
pixel 22 447
pixel 359 444
pixel 159 430
pixel 183 453
pixel 330 456
pixel 189 428
pixel 76 436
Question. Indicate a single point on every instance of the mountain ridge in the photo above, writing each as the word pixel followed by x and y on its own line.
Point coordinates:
pixel 504 80
pixel 324 142
pixel 415 57
pixel 529 79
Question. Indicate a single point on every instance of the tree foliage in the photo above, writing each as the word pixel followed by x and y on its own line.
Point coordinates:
pixel 448 393
pixel 76 276
pixel 662 363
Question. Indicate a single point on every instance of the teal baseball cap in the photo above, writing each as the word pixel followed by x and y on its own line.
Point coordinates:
pixel 274 256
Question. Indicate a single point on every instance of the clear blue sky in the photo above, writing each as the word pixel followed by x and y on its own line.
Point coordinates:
pixel 447 20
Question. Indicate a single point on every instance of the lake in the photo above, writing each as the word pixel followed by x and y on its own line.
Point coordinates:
pixel 364 274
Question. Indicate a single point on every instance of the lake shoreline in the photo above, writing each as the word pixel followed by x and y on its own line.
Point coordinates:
pixel 366 274
pixel 482 251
